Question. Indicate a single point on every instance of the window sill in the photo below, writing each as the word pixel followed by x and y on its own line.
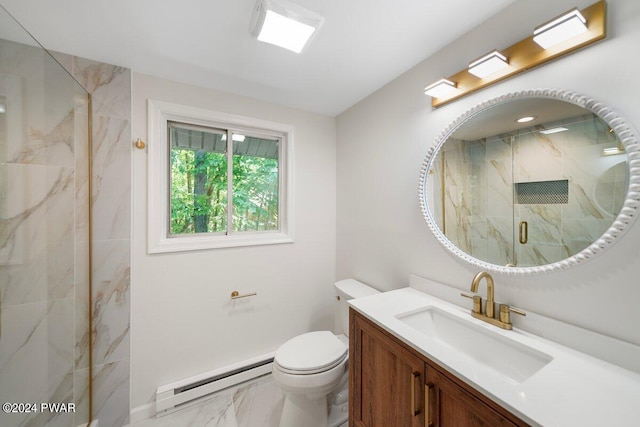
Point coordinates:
pixel 203 242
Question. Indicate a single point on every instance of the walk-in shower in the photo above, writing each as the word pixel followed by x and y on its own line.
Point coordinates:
pixel 45 239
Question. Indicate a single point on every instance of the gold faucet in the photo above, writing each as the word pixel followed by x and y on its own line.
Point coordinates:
pixel 489 310
pixel 489 315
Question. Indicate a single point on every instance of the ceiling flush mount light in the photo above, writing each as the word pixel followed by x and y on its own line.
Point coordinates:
pixel 442 87
pixel 559 29
pixel 526 119
pixel 284 23
pixel 553 130
pixel 488 64
pixel 580 28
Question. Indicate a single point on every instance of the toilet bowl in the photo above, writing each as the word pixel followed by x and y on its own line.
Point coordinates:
pixel 312 365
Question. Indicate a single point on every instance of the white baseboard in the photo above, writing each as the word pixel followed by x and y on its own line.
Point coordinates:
pixel 142 412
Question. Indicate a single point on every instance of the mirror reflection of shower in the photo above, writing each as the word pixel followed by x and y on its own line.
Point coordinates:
pixel 548 180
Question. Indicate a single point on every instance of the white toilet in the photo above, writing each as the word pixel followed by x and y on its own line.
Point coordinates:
pixel 309 367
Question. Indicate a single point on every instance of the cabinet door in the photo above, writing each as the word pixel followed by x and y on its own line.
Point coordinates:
pixel 451 406
pixel 386 379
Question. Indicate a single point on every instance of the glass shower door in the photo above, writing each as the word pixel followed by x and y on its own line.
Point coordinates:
pixel 540 192
pixel 44 257
pixel 568 188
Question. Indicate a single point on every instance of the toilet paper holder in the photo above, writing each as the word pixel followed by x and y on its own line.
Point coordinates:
pixel 236 295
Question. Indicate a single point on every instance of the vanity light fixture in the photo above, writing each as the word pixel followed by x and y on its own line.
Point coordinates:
pixel 284 23
pixel 442 87
pixel 553 130
pixel 3 109
pixel 612 150
pixel 488 64
pixel 562 28
pixel 583 27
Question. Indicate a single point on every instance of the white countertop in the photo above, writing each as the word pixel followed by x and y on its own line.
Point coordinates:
pixel 572 390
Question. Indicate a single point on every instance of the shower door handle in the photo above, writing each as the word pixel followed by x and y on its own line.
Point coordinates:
pixel 523 232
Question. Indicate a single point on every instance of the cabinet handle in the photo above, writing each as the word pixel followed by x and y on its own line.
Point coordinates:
pixel 414 376
pixel 427 412
pixel 523 232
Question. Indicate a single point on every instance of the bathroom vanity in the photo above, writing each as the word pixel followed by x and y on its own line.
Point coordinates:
pixel 394 385
pixel 417 360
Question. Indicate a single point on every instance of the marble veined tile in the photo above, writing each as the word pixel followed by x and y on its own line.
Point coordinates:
pixel 213 412
pixel 255 403
pixel 36 233
pixel 15 56
pixel 46 146
pixel 82 335
pixel 582 205
pixel 498 148
pixel 81 153
pixel 111 302
pixel 544 222
pixel 112 178
pixel 537 158
pixel 109 85
pixel 37 350
pixel 259 404
pixel 499 240
pixel 80 395
pixel 500 188
pixel 111 394
pixel 578 234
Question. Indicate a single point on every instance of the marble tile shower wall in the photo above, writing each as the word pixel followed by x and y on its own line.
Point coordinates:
pixel 39 282
pixel 110 87
pixel 44 236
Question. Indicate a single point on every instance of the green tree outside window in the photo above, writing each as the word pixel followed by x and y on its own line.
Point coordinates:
pixel 199 182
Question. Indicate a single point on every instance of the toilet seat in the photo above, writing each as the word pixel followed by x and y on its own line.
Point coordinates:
pixel 311 353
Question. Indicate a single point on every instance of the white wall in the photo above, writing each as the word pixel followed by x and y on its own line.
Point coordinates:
pixel 183 321
pixel 382 142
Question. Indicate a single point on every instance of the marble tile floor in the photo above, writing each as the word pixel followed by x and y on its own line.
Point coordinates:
pixel 256 403
pixel 251 404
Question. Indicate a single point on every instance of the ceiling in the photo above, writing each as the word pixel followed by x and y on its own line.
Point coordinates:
pixel 362 45
pixel 502 118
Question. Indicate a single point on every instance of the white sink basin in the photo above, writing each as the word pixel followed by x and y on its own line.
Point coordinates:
pixel 510 358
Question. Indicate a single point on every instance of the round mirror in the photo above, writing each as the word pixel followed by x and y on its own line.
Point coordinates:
pixel 532 181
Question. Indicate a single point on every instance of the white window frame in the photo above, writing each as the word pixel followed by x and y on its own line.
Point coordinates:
pixel 158 238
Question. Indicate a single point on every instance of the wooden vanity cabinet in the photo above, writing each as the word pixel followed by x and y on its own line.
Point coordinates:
pixel 390 384
pixel 386 380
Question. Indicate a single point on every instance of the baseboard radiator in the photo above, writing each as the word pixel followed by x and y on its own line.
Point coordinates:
pixel 170 396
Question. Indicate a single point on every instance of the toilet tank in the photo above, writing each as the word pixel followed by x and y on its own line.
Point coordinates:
pixel 350 289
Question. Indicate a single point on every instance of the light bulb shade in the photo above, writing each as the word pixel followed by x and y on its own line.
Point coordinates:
pixel 488 64
pixel 560 29
pixel 553 130
pixel 611 151
pixel 441 88
pixel 284 23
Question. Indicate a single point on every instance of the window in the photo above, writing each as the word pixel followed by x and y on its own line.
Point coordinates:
pixel 216 180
